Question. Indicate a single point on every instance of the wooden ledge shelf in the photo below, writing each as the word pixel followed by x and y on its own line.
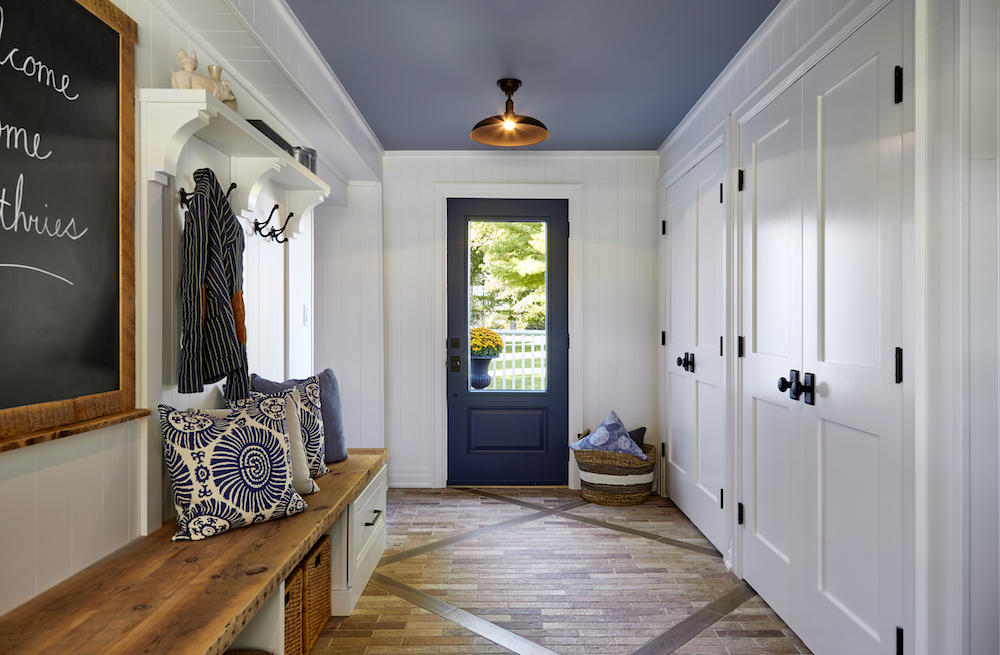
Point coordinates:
pixel 182 597
pixel 31 438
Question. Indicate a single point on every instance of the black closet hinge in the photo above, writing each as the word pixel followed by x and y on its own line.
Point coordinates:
pixel 663 449
pixel 720 347
pixel 567 230
pixel 899 84
pixel 899 641
pixel 663 227
pixel 739 346
pixel 739 185
pixel 899 365
pixel 663 338
pixel 567 341
pixel 739 513
pixel 720 192
pixel 722 504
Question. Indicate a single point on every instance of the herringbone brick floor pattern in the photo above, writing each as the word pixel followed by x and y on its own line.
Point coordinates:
pixel 538 571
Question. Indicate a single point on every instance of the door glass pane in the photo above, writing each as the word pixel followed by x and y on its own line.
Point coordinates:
pixel 507 263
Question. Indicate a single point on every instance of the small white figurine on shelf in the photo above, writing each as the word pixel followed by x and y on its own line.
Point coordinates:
pixel 188 79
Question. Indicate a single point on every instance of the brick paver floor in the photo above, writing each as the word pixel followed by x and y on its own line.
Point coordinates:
pixel 563 577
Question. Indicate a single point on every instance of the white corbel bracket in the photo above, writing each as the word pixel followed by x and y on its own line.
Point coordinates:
pixel 170 117
pixel 300 202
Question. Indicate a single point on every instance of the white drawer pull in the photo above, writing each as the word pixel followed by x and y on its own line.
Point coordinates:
pixel 378 515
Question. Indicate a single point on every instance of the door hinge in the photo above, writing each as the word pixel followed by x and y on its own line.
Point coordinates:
pixel 663 338
pixel 739 184
pixel 899 641
pixel 720 192
pixel 899 84
pixel 567 341
pixel 567 230
pixel 739 346
pixel 899 365
pixel 663 449
pixel 720 348
pixel 663 227
pixel 739 513
pixel 722 504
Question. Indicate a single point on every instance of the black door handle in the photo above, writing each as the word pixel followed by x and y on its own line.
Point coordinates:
pixel 791 385
pixel 807 388
pixel 686 362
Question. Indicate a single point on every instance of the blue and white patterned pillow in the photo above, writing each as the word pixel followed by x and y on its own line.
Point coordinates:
pixel 310 422
pixel 301 481
pixel 228 472
pixel 611 436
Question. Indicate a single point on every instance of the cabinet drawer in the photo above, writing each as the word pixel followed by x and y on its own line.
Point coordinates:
pixel 369 516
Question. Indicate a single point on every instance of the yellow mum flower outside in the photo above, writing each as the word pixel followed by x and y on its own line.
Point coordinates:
pixel 485 343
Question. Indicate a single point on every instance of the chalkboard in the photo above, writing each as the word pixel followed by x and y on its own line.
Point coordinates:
pixel 66 168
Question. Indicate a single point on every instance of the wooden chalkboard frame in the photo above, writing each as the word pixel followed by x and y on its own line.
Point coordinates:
pixel 31 424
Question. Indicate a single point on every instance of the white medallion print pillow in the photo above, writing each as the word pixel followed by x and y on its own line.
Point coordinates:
pixel 229 472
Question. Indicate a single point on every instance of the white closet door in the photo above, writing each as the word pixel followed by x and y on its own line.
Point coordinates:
pixel 771 422
pixel 852 290
pixel 822 288
pixel 696 439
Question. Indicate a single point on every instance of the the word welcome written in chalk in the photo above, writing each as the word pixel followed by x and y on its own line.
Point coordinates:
pixel 32 67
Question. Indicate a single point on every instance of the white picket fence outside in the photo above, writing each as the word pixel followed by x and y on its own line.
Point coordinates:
pixel 523 366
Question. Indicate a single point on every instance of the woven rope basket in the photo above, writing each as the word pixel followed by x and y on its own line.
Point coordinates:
pixel 616 479
pixel 294 590
pixel 316 599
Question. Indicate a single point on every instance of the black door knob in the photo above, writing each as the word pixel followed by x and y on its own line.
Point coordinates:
pixel 680 361
pixel 791 385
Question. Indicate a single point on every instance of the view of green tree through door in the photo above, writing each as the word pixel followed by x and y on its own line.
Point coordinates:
pixel 507 271
pixel 507 281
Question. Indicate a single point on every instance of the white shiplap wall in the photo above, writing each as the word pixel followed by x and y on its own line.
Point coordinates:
pixel 613 287
pixel 67 503
pixel 348 317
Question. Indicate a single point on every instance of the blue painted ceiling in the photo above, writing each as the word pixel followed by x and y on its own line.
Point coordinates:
pixel 601 74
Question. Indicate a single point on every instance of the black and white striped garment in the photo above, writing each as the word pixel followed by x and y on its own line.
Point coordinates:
pixel 211 285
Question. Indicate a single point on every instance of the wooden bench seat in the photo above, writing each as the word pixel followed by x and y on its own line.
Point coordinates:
pixel 186 597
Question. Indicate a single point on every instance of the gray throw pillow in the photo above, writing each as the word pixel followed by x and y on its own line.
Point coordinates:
pixel 329 395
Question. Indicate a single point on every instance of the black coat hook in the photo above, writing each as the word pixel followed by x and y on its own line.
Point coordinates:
pixel 185 196
pixel 258 228
pixel 275 234
pixel 232 185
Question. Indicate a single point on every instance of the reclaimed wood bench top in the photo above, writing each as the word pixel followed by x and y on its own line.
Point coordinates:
pixel 181 597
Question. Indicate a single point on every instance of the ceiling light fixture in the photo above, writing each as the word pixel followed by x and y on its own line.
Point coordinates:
pixel 509 129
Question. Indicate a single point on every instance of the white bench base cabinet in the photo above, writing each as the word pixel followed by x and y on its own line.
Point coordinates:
pixel 356 550
pixel 358 542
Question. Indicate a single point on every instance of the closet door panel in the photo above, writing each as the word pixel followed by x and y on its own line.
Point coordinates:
pixel 851 324
pixel 771 422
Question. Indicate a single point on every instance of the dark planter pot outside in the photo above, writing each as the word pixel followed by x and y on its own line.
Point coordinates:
pixel 479 376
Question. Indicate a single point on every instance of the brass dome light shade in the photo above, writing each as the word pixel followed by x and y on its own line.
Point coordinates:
pixel 509 129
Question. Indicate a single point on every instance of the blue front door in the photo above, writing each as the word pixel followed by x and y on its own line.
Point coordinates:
pixel 507 272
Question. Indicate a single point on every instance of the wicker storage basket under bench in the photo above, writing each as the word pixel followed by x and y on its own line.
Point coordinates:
pixel 608 478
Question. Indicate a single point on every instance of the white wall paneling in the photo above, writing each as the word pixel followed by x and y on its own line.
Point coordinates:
pixel 980 34
pixel 348 310
pixel 612 288
pixel 66 504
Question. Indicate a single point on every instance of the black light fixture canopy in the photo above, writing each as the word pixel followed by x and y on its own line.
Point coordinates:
pixel 509 129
